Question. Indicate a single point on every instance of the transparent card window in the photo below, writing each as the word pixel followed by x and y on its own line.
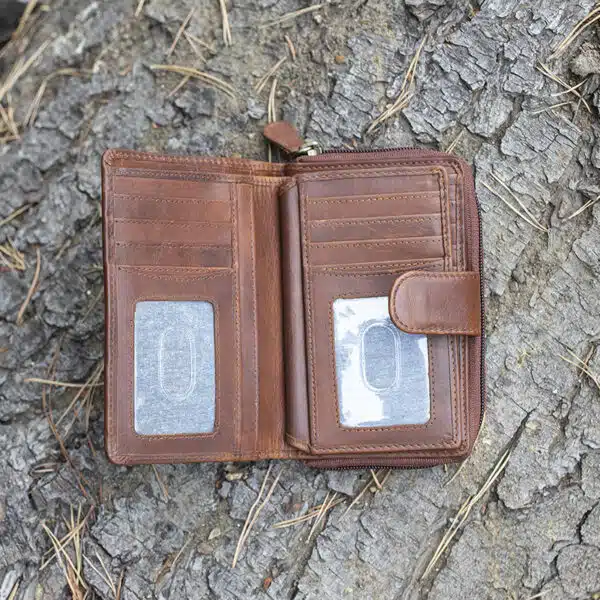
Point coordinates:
pixel 174 371
pixel 382 373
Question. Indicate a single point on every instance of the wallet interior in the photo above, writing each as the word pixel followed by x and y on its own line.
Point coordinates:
pixel 248 309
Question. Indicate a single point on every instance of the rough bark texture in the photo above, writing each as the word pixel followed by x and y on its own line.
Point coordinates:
pixel 537 530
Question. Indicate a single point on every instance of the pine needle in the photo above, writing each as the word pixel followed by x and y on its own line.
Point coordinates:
pixel 587 205
pixel 139 9
pixel 465 511
pixel 545 70
pixel 290 46
pixel 260 84
pixel 406 92
pixel 180 32
pixel 31 4
pixel 385 472
pixel 514 209
pixel 225 19
pixel 11 257
pixel 210 80
pixel 15 214
pixel 582 366
pixel 253 513
pixel 35 104
pixel 310 514
pixel 286 18
pixel 32 287
pixel 579 28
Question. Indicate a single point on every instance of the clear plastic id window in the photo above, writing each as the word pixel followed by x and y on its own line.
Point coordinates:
pixel 382 373
pixel 174 372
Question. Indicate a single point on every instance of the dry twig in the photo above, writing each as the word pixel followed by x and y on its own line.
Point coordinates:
pixel 32 287
pixel 406 92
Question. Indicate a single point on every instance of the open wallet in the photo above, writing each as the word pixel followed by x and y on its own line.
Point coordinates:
pixel 328 308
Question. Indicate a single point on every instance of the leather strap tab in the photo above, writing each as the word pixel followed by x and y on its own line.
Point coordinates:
pixel 437 303
pixel 284 134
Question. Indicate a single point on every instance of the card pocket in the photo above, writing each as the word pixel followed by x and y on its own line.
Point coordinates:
pixel 173 365
pixel 372 387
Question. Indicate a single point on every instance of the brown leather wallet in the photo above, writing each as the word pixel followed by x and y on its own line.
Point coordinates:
pixel 327 309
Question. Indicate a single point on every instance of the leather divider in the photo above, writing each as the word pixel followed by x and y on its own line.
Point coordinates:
pixel 437 303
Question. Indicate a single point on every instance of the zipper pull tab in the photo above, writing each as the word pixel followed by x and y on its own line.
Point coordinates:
pixel 285 135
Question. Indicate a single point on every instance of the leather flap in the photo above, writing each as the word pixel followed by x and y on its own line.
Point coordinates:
pixel 437 303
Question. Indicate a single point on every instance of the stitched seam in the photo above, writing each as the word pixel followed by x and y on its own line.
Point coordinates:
pixel 215 200
pixel 233 199
pixel 184 225
pixel 392 267
pixel 194 176
pixel 367 244
pixel 368 199
pixel 254 320
pixel 374 221
pixel 174 245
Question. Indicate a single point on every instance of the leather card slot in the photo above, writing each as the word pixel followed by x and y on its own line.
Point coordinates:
pixel 151 231
pixel 206 347
pixel 372 251
pixel 373 205
pixel 172 187
pixel 172 254
pixel 332 230
pixel 436 427
pixel 172 208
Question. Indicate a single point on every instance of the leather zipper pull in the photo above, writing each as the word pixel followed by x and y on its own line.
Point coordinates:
pixel 286 136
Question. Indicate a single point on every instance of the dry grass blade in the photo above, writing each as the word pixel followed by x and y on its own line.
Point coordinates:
pixel 545 70
pixel 406 91
pixel 365 489
pixel 253 513
pixel 32 287
pixel 465 511
pixel 19 69
pixel 583 208
pixel 211 80
pixel 11 257
pixel 225 19
pixel 290 46
pixel 286 18
pixel 139 8
pixel 35 104
pixel 513 208
pixel 260 84
pixel 579 28
pixel 15 214
pixel 180 32
pixel 24 18
pixel 582 366
pixel 309 515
